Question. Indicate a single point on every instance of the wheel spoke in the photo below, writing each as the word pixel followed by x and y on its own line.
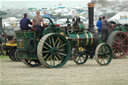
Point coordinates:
pixel 108 52
pixel 103 59
pixel 107 57
pixel 45 51
pixel 100 55
pixel 122 50
pixel 120 37
pixel 103 48
pixel 53 42
pixel 117 38
pixel 62 50
pixel 118 52
pixel 50 41
pixel 62 54
pixel 51 62
pixel 58 44
pixel 116 46
pixel 124 39
pixel 48 44
pixel 61 46
pixel 77 58
pixel 56 40
pixel 125 45
pixel 45 55
pixel 115 42
pixel 80 59
pixel 57 59
pixel 84 56
pixel 59 56
pixel 54 61
pixel 106 49
pixel 45 47
pixel 49 57
pixel 115 51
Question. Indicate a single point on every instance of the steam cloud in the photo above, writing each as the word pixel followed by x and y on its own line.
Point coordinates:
pixel 105 2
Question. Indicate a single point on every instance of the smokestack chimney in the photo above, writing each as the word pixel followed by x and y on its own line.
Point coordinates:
pixel 0 26
pixel 91 16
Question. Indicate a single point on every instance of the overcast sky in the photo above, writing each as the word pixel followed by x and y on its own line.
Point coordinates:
pixel 45 0
pixel 44 3
pixel 57 0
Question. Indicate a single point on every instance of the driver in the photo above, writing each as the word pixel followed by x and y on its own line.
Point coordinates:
pixel 37 23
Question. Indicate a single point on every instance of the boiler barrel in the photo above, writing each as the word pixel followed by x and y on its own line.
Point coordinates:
pixel 83 39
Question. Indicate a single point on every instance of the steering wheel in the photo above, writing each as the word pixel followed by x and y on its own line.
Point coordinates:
pixel 48 21
pixel 112 22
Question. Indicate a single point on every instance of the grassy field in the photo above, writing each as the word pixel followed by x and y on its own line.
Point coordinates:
pixel 1 56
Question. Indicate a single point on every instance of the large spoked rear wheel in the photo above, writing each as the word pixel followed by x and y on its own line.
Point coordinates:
pixel 118 41
pixel 31 63
pixel 53 50
pixel 103 54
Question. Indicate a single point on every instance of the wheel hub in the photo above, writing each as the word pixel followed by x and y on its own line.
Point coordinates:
pixel 54 51
pixel 105 55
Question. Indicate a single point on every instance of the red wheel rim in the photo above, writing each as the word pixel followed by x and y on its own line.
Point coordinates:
pixel 120 45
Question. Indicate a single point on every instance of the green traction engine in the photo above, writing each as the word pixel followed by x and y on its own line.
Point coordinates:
pixel 56 45
pixel 118 40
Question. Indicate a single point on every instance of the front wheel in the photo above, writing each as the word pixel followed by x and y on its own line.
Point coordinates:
pixel 103 54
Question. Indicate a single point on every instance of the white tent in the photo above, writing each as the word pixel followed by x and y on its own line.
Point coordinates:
pixel 12 19
pixel 121 17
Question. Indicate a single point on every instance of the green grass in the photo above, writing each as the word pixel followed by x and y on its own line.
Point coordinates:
pixel 3 56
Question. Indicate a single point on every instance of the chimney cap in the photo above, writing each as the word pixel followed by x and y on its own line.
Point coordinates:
pixel 90 4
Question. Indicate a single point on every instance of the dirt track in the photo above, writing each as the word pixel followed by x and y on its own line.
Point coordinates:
pixel 16 73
